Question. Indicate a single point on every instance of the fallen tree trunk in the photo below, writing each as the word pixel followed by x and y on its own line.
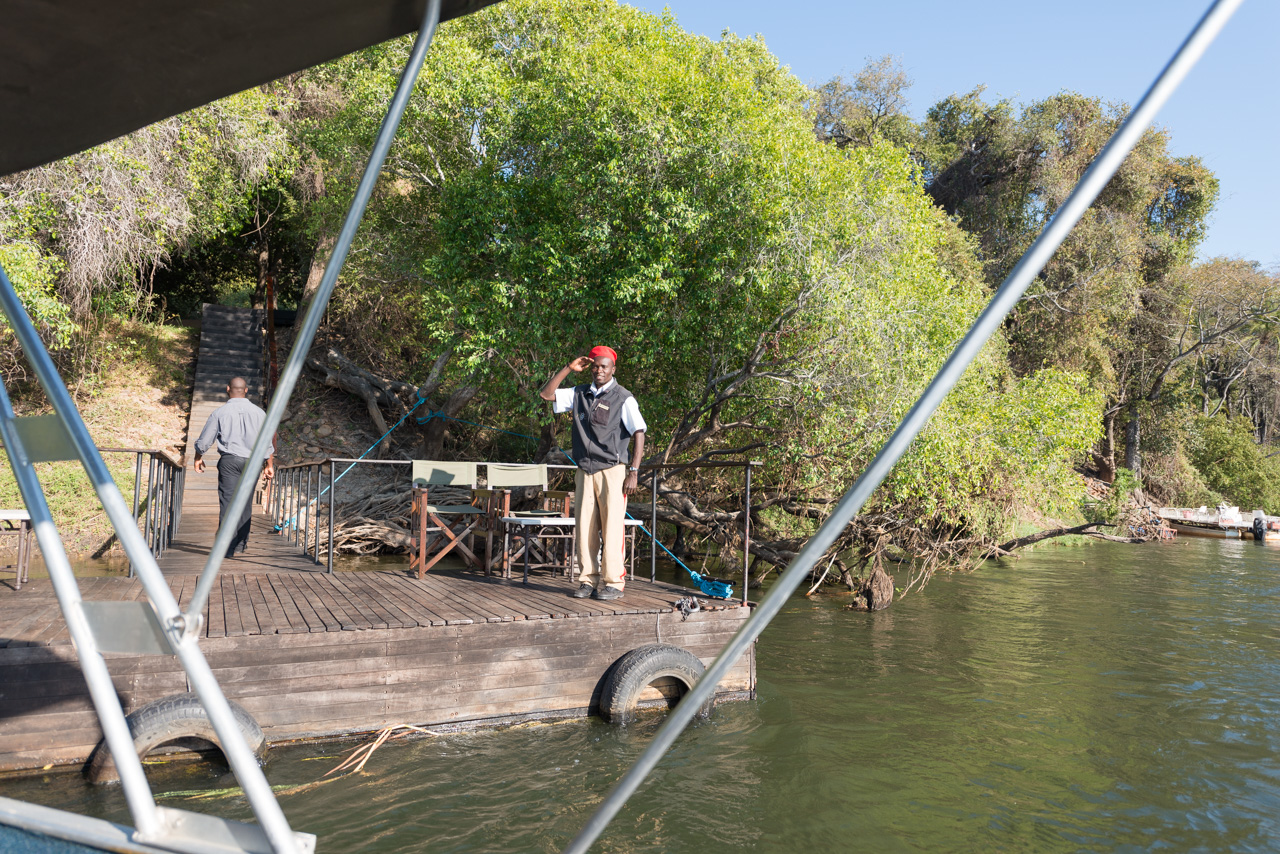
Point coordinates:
pixel 1101 536
pixel 337 371
pixel 1041 536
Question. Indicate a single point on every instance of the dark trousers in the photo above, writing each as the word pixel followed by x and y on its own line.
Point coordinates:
pixel 230 467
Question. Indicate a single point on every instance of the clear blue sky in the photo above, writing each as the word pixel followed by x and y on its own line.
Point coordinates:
pixel 1227 112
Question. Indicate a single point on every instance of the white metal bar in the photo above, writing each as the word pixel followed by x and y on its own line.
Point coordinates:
pixel 315 311
pixel 115 729
pixel 1010 291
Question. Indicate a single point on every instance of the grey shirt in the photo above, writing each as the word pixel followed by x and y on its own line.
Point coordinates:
pixel 235 424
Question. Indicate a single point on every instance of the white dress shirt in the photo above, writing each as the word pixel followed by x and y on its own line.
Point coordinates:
pixel 631 417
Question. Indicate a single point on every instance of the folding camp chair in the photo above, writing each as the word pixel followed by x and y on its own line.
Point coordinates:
pixel 448 524
pixel 544 533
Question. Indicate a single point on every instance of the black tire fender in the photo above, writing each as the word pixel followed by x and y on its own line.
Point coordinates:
pixel 671 670
pixel 179 717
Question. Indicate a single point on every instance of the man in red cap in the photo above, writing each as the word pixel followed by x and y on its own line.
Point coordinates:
pixel 605 418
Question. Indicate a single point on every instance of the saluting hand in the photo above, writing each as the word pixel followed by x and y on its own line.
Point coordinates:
pixel 581 363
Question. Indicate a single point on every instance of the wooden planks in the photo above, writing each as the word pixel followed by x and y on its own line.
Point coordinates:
pixel 313 655
pixel 285 603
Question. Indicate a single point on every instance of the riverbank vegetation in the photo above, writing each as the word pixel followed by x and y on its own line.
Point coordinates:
pixel 780 267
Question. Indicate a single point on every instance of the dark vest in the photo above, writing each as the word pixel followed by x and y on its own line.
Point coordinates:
pixel 599 439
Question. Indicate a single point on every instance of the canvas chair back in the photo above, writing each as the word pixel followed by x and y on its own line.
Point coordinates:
pixel 506 476
pixel 428 473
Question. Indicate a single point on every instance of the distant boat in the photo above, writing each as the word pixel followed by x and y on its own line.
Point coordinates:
pixel 1222 523
pixel 1206 531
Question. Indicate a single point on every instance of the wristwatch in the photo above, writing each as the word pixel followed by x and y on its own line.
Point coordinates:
pixel 632 468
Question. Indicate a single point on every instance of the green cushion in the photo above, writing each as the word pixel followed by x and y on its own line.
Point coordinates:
pixel 506 475
pixel 435 473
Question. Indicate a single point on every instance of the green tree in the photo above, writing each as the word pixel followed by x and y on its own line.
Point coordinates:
pixel 1100 305
pixel 572 173
pixel 112 215
pixel 872 107
pixel 1226 453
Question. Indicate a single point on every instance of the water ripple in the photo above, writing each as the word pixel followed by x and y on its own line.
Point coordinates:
pixel 1107 698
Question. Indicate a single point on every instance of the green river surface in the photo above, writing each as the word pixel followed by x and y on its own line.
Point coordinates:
pixel 1095 698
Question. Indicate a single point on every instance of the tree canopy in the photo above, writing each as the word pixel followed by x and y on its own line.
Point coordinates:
pixel 780 268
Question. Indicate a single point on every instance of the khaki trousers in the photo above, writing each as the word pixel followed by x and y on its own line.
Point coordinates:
pixel 600 510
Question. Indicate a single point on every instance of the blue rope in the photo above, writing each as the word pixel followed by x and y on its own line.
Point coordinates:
pixel 712 587
pixel 292 521
pixel 709 586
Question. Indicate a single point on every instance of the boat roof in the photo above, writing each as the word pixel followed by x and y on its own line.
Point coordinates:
pixel 76 73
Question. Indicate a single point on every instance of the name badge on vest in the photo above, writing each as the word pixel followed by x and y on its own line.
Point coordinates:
pixel 604 406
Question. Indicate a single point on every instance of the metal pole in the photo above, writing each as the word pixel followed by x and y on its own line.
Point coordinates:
pixel 163 527
pixel 277 486
pixel 297 508
pixel 174 492
pixel 151 504
pixel 168 506
pixel 1090 185
pixel 180 630
pixel 319 492
pixel 115 729
pixel 137 477
pixel 315 311
pixel 306 513
pixel 304 487
pixel 653 527
pixel 182 491
pixel 296 494
pixel 331 497
pixel 746 535
pixel 312 503
pixel 287 490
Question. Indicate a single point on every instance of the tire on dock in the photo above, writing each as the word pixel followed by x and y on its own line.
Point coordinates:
pixel 651 674
pixel 179 719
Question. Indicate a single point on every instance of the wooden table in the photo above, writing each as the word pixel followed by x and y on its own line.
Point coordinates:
pixel 555 528
pixel 17 523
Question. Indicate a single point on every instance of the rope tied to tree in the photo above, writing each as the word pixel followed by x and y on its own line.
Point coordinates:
pixel 712 587
pixel 292 521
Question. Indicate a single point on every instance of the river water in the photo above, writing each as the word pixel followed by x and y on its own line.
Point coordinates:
pixel 1095 698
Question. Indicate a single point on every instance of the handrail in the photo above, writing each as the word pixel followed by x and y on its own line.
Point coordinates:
pixel 161 508
pixel 293 497
pixel 167 456
pixel 1002 302
pixel 324 460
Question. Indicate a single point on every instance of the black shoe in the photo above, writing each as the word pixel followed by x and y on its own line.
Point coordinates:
pixel 608 593
pixel 583 591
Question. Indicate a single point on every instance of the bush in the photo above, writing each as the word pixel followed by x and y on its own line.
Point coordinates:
pixel 1232 463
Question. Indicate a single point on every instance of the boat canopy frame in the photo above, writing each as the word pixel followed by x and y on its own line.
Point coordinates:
pixel 1092 183
pixel 158 626
pixel 175 631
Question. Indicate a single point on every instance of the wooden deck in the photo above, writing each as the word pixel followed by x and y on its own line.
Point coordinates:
pixel 313 655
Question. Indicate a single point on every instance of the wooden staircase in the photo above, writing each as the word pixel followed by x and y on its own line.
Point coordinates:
pixel 231 343
pixel 230 346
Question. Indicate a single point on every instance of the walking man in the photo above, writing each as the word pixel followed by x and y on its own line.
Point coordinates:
pixel 234 425
pixel 605 418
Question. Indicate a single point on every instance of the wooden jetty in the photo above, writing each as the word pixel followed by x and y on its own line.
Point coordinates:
pixel 310 654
